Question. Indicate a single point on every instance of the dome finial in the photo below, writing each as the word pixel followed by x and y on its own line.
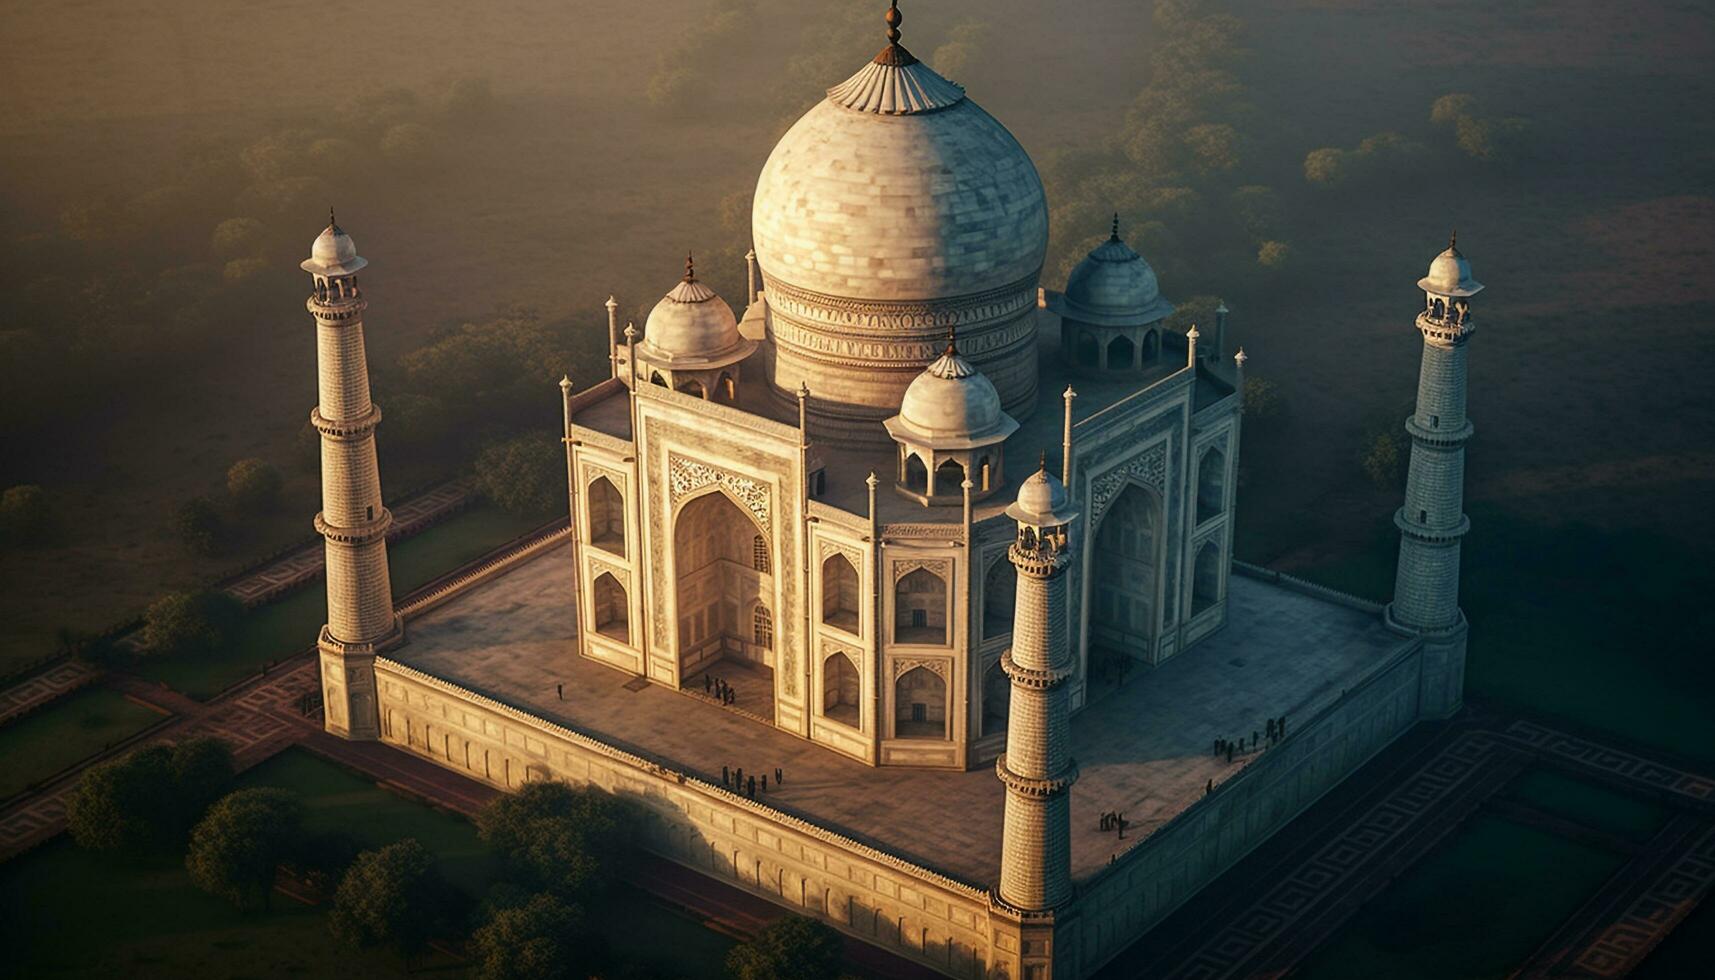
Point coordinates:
pixel 690 268
pixel 952 340
pixel 331 223
pixel 894 55
pixel 1453 242
pixel 1042 461
pixel 1116 235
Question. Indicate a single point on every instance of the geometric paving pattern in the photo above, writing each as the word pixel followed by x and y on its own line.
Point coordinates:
pixel 63 677
pixel 1322 886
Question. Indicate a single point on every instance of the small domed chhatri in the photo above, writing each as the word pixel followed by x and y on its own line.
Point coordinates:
pixel 691 341
pixel 1111 311
pixel 950 427
pixel 1450 273
pixel 894 208
pixel 1042 500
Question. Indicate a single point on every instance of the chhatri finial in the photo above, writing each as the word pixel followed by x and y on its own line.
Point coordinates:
pixel 894 55
pixel 331 223
pixel 1116 235
pixel 1453 242
pixel 690 268
pixel 952 340
pixel 1042 461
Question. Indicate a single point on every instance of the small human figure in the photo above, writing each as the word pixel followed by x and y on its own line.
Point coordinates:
pixel 1209 787
pixel 1253 739
pixel 1229 752
pixel 726 774
pixel 560 691
pixel 752 786
pixel 779 777
pixel 707 682
pixel 765 782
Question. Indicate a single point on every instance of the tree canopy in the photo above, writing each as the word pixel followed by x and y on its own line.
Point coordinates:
pixel 393 896
pixel 555 838
pixel 543 938
pixel 190 623
pixel 790 948
pixel 240 843
pixel 524 475
pixel 254 485
pixel 148 800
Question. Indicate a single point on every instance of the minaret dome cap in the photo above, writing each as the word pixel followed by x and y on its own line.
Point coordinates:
pixel 1042 501
pixel 333 253
pixel 1450 274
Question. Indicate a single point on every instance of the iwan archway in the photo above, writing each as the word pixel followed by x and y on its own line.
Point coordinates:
pixel 724 600
pixel 1125 580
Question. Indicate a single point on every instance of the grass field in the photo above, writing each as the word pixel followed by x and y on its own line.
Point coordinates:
pixel 288 626
pixel 64 732
pixel 1475 908
pixel 74 914
pixel 1589 804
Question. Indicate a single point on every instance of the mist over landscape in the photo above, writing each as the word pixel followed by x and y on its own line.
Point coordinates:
pixel 507 166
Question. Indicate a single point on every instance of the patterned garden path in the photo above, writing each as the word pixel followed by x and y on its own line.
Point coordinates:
pixel 59 679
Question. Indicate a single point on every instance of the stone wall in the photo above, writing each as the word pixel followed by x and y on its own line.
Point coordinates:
pixel 921 915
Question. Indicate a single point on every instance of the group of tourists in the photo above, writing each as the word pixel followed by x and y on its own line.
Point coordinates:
pixel 1274 732
pixel 719 689
pixel 737 780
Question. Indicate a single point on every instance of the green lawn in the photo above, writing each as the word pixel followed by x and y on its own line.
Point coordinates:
pixel 279 629
pixel 74 914
pixel 1590 804
pixel 1605 629
pixel 1475 908
pixel 64 732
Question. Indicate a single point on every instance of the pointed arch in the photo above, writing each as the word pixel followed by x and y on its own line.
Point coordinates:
pixel 840 593
pixel 612 610
pixel 1211 484
pixel 606 528
pixel 1206 577
pixel 915 473
pixel 1151 345
pixel 656 379
pixel 694 388
pixel 1000 591
pixel 920 704
pixel 1126 569
pixel 715 552
pixel 759 560
pixel 949 478
pixel 997 699
pixel 1121 351
pixel 920 608
pixel 762 627
pixel 841 688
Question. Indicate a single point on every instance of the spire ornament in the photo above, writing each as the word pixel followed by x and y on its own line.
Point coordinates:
pixel 690 268
pixel 1116 234
pixel 894 55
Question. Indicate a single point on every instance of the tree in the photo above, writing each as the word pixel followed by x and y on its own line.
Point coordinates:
pixel 237 238
pixel 540 939
pixel 1214 147
pixel 555 838
pixel 1449 108
pixel 1383 460
pixel 392 896
pixel 1326 166
pixel 148 800
pixel 202 771
pixel 190 624
pixel 239 844
pixel 124 806
pixel 254 485
pixel 790 948
pixel 25 516
pixel 1262 400
pixel 1258 209
pixel 525 475
pixel 1273 254
pixel 200 526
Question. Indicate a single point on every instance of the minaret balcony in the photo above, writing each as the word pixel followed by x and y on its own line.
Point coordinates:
pixel 1039 680
pixel 1446 329
pixel 336 308
pixel 1032 787
pixel 1433 534
pixel 363 533
pixel 1438 437
pixel 346 429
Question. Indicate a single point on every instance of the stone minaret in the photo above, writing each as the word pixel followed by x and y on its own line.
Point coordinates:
pixel 361 619
pixel 1037 768
pixel 1432 520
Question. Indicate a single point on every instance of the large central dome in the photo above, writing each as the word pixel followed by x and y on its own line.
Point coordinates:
pixel 896 209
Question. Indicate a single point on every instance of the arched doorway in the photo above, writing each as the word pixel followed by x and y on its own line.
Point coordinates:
pixel 920 704
pixel 841 689
pixel 840 593
pixel 1211 485
pixel 949 479
pixel 915 474
pixel 920 608
pixel 1120 353
pixel 1125 567
pixel 997 699
pixel 612 613
pixel 607 516
pixel 1206 578
pixel 1000 589
pixel 721 566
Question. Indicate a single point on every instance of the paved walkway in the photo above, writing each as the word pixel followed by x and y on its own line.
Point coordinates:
pixel 57 680
pixel 305 564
